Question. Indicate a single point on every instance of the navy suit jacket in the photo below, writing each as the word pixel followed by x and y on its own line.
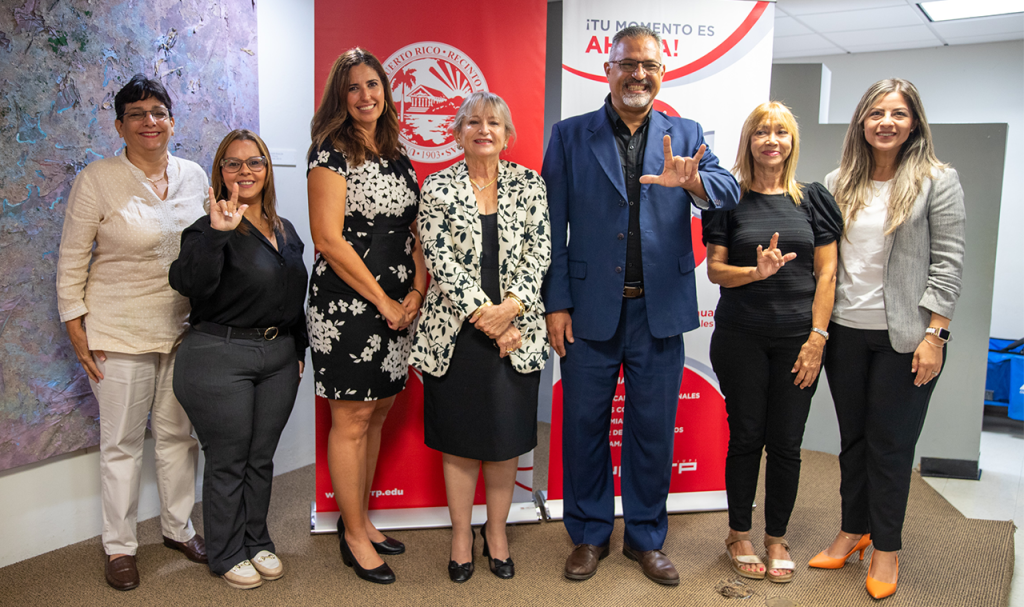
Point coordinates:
pixel 587 202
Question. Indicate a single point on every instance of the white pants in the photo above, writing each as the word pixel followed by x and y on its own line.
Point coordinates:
pixel 133 385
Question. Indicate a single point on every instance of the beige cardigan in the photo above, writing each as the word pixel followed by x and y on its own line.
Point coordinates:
pixel 128 305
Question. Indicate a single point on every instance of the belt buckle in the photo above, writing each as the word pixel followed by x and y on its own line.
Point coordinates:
pixel 632 292
pixel 267 336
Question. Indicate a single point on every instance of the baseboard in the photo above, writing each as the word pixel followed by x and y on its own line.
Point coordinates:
pixel 942 467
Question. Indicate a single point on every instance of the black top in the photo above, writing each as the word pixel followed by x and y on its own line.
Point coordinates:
pixel 779 306
pixel 489 256
pixel 242 281
pixel 631 154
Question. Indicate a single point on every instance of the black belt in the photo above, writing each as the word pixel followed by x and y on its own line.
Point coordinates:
pixel 268 333
pixel 632 290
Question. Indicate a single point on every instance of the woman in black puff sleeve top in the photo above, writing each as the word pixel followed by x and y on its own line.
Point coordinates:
pixel 238 368
pixel 774 256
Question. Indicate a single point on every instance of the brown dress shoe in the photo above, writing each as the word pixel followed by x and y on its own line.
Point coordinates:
pixel 655 564
pixel 194 549
pixel 122 573
pixel 582 561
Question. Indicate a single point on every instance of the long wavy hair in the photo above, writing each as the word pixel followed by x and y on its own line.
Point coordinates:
pixel 220 189
pixel 766 114
pixel 332 121
pixel 914 162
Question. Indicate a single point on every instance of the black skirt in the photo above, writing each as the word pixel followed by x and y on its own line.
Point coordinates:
pixel 482 408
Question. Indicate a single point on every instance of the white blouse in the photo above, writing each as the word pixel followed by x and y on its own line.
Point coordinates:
pixel 859 296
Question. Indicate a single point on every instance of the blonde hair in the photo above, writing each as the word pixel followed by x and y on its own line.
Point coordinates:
pixel 220 189
pixel 491 102
pixel 770 112
pixel 914 161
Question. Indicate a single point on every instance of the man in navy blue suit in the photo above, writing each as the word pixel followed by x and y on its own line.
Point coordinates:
pixel 620 291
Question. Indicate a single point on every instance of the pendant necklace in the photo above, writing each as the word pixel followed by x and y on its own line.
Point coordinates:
pixel 481 188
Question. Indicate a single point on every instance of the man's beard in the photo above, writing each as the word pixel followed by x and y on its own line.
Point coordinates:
pixel 638 99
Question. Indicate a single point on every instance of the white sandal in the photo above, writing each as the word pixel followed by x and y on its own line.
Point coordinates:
pixel 737 562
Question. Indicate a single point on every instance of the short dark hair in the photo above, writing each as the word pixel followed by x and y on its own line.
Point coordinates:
pixel 137 89
pixel 636 32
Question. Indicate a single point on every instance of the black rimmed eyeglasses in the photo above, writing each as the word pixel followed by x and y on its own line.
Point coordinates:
pixel 629 66
pixel 233 165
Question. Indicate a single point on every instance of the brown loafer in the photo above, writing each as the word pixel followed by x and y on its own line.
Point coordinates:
pixel 655 564
pixel 582 561
pixel 194 549
pixel 122 574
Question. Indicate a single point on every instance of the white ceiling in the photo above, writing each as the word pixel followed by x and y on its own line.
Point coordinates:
pixel 805 28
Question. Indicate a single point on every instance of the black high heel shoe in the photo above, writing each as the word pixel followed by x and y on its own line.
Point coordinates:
pixel 504 569
pixel 461 572
pixel 389 546
pixel 378 575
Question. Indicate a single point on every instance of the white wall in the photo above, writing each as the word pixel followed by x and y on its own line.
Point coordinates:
pixel 959 84
pixel 56 502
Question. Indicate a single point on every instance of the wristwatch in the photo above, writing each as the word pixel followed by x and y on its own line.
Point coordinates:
pixel 939 332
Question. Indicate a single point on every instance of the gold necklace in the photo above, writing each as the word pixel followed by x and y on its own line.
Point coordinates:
pixel 156 181
pixel 481 188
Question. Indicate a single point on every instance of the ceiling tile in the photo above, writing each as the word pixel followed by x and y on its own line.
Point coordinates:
pixel 980 27
pixel 986 38
pixel 798 54
pixel 787 26
pixel 842 21
pixel 811 43
pixel 914 33
pixel 892 45
pixel 803 7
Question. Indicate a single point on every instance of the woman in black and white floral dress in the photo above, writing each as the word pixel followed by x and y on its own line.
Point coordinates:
pixel 366 289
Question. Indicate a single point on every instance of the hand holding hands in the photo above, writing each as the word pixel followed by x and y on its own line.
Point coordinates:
pixel 397 315
pixel 225 215
pixel 679 171
pixel 771 261
pixel 510 340
pixel 411 304
pixel 494 320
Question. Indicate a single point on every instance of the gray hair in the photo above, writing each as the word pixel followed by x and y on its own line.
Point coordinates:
pixel 636 32
pixel 491 102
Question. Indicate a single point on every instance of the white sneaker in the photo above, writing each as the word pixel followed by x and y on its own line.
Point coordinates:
pixel 268 565
pixel 243 576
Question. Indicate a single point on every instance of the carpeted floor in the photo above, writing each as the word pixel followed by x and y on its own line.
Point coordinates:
pixel 947 560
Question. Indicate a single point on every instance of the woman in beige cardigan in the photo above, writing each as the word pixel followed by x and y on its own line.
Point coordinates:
pixel 900 263
pixel 125 322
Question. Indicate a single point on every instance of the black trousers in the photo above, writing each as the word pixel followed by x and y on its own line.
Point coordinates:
pixel 239 394
pixel 766 413
pixel 881 413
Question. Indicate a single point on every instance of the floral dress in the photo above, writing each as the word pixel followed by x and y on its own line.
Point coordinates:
pixel 355 355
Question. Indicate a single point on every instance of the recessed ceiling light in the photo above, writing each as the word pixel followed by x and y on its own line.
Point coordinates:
pixel 947 10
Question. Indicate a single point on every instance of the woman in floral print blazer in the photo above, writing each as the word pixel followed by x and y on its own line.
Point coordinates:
pixel 482 340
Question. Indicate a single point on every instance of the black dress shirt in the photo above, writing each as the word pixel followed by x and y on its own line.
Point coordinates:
pixel 631 154
pixel 241 280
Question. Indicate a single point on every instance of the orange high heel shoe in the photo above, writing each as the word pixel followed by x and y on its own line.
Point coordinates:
pixel 824 561
pixel 880 590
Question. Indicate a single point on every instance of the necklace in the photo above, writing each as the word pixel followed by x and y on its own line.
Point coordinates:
pixel 481 188
pixel 157 180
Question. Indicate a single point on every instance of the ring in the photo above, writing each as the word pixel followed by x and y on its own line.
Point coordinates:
pixel 935 372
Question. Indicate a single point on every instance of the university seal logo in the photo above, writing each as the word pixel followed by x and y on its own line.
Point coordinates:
pixel 429 81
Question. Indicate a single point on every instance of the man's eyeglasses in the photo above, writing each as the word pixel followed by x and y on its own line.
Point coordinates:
pixel 629 66
pixel 233 165
pixel 159 114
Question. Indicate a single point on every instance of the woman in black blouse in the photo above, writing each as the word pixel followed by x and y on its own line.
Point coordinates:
pixel 770 326
pixel 238 369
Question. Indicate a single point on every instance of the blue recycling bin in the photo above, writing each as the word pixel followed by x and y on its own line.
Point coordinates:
pixel 1005 377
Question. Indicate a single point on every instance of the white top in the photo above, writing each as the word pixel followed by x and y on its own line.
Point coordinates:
pixel 859 303
pixel 129 306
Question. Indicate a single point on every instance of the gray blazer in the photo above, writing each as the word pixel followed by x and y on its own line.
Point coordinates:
pixel 924 259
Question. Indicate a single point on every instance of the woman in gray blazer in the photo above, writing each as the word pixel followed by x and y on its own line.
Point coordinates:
pixel 900 262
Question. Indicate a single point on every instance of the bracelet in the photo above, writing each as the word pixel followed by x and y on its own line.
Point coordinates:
pixel 417 291
pixel 476 313
pixel 821 332
pixel 929 342
pixel 519 302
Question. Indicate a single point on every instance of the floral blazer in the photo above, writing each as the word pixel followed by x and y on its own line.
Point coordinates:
pixel 449 227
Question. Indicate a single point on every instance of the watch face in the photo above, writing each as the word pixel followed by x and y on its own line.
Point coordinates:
pixel 942 334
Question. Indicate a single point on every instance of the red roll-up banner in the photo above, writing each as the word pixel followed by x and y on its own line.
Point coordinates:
pixel 435 54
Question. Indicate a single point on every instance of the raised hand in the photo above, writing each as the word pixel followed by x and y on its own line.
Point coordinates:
pixel 771 261
pixel 679 171
pixel 225 215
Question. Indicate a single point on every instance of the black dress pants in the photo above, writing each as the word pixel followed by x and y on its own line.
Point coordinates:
pixel 767 412
pixel 881 413
pixel 239 394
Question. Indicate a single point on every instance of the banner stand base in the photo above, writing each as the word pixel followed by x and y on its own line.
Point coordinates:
pixel 698 501
pixel 420 518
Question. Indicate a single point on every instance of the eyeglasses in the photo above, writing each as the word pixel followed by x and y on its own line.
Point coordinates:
pixel 233 165
pixel 159 114
pixel 629 66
